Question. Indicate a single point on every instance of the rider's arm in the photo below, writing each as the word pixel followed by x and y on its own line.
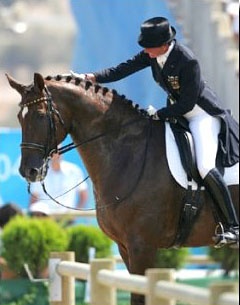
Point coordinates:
pixel 124 69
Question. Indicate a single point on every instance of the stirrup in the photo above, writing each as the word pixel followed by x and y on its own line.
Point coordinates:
pixel 221 237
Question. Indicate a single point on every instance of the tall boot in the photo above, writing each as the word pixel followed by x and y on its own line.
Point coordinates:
pixel 221 196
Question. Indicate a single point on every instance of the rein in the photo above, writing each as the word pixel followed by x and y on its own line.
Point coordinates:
pixel 118 199
pixel 72 145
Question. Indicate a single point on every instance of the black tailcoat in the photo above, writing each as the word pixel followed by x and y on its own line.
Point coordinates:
pixel 182 80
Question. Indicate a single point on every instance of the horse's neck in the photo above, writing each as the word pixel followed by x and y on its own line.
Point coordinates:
pixel 79 110
pixel 98 122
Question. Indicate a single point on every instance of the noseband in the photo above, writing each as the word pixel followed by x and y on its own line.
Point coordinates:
pixel 51 110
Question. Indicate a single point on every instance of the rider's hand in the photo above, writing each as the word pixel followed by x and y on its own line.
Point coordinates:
pixel 161 116
pixel 155 116
pixel 151 110
pixel 85 76
pixel 74 74
pixel 91 77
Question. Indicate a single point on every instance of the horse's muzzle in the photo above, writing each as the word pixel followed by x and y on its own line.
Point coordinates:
pixel 33 174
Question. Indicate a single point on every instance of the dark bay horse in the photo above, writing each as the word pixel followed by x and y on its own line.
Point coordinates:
pixel 138 202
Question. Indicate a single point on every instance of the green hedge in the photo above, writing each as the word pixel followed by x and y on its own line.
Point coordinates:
pixel 30 240
pixel 172 258
pixel 227 257
pixel 81 238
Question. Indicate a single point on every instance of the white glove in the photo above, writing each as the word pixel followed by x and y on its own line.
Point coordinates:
pixel 151 110
pixel 82 75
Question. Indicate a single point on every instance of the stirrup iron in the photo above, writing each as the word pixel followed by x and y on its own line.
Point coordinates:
pixel 223 237
pixel 219 238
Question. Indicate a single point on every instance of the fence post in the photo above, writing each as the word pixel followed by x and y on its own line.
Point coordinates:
pixel 99 293
pixel 67 289
pixel 153 276
pixel 220 287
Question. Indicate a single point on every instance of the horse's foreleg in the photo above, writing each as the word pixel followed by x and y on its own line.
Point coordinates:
pixel 141 257
pixel 137 299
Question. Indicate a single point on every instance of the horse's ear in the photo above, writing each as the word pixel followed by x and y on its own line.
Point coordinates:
pixel 38 82
pixel 15 85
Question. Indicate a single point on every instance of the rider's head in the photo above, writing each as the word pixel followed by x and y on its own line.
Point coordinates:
pixel 155 36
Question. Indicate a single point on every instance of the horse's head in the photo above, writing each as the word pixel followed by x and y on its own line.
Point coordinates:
pixel 39 120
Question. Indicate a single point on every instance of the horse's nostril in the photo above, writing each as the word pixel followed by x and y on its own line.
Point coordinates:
pixel 33 172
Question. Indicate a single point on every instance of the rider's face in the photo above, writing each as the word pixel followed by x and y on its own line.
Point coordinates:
pixel 155 52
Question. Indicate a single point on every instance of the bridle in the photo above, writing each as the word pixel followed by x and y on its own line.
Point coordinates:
pixel 51 111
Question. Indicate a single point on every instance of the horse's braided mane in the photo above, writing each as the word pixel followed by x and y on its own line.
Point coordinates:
pixel 87 84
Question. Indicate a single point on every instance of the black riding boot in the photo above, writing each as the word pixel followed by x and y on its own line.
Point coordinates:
pixel 218 189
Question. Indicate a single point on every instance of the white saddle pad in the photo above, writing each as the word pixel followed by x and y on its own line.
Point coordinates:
pixel 231 175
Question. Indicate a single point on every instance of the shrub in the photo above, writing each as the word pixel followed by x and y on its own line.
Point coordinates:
pixel 81 238
pixel 30 240
pixel 227 257
pixel 27 293
pixel 171 258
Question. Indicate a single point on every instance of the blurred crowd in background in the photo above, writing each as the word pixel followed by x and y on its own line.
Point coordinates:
pixel 231 7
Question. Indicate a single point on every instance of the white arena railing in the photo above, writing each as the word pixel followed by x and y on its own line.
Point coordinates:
pixel 157 285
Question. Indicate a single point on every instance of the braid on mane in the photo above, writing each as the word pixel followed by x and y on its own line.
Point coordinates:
pixel 68 78
pixel 88 84
pixel 97 87
pixel 58 77
pixel 131 104
pixel 77 81
pixel 105 91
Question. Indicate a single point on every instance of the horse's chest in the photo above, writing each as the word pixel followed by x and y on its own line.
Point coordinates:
pixel 109 223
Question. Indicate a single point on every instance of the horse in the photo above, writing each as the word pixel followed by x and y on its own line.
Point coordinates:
pixel 137 200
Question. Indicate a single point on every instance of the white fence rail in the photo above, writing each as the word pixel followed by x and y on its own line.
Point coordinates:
pixel 157 285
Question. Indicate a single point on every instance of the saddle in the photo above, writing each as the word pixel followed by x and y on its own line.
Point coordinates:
pixel 191 203
pixel 227 157
pixel 185 146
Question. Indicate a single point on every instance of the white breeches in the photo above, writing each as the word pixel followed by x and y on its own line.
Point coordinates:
pixel 205 129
